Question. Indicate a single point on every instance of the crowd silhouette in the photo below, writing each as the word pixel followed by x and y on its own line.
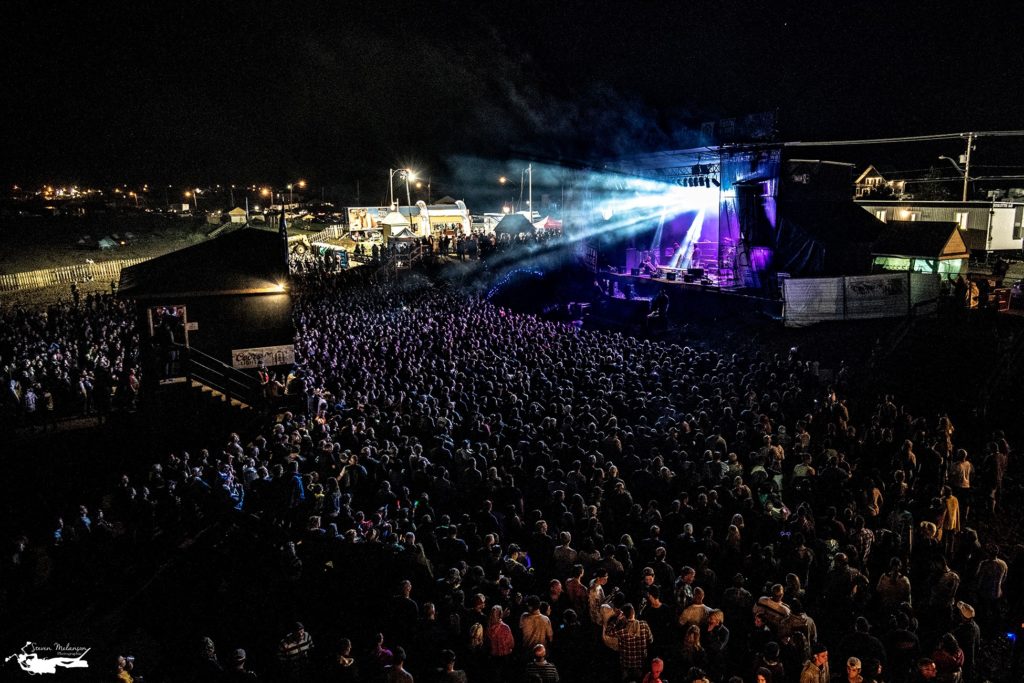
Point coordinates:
pixel 505 498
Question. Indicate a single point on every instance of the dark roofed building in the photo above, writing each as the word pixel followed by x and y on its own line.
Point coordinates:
pixel 921 246
pixel 223 303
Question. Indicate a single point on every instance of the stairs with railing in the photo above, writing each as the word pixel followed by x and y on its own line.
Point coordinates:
pixel 219 381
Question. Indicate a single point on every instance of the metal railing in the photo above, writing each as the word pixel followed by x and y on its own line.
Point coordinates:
pixel 231 382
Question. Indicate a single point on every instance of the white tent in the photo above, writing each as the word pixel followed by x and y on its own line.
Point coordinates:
pixel 395 219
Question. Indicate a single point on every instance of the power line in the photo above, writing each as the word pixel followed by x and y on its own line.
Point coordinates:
pixel 911 138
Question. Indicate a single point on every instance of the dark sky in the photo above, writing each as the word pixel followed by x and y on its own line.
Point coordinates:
pixel 333 92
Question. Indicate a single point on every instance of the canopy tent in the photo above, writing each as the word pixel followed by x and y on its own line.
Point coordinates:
pixel 106 243
pixel 514 224
pixel 402 232
pixel 395 219
pixel 548 223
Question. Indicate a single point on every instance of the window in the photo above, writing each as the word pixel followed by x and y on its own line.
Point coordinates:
pixel 880 214
pixel 961 219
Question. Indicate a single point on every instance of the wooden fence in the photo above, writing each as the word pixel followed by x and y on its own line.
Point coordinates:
pixel 103 271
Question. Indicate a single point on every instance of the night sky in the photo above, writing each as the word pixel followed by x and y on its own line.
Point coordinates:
pixel 335 92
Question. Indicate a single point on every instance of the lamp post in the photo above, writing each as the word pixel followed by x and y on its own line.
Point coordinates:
pixel 419 186
pixel 529 200
pixel 409 175
pixel 392 172
pixel 967 166
pixel 503 180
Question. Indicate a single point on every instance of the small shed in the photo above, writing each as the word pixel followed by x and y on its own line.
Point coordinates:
pixel 238 215
pixel 921 247
pixel 227 298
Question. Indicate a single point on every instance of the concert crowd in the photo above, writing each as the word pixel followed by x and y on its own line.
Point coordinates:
pixel 468 494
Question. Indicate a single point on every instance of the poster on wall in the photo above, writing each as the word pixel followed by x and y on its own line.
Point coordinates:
pixel 244 359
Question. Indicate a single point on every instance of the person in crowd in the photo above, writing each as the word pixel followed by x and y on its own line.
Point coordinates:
pixel 634 638
pixel 816 669
pixel 540 667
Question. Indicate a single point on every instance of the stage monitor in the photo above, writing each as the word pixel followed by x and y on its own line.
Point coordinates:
pixel 670 276
pixel 635 272
pixel 696 273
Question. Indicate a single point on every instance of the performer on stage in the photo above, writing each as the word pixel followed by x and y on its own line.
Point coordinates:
pixel 647 267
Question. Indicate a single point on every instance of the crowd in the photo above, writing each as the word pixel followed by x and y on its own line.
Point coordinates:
pixel 510 499
pixel 76 357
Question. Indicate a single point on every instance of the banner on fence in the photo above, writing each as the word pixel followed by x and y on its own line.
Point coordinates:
pixel 270 355
pixel 885 295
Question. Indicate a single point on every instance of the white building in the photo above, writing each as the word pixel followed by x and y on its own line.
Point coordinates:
pixel 986 226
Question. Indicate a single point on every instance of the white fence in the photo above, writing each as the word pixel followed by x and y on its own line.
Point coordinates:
pixel 103 271
pixel 886 295
pixel 331 232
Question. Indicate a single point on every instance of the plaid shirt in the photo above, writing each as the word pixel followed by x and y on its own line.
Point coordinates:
pixel 634 637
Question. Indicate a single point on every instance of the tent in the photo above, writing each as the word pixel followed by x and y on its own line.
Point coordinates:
pixel 106 243
pixel 394 219
pixel 402 232
pixel 514 224
pixel 548 223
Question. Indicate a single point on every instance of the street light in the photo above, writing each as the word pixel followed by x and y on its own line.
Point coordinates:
pixel 961 171
pixel 392 172
pixel 504 180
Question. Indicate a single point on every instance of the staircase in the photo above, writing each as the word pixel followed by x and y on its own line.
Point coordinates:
pixel 219 381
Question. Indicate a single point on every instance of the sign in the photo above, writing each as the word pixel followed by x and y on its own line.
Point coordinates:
pixel 1003 205
pixel 270 355
pixel 191 327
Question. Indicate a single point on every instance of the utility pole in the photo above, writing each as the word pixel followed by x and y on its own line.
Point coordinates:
pixel 529 195
pixel 967 162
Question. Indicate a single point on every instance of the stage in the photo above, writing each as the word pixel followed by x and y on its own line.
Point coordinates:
pixel 629 296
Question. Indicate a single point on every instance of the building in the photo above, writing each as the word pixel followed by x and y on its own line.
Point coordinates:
pixel 921 247
pixel 871 183
pixel 444 218
pixel 987 226
pixel 210 311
